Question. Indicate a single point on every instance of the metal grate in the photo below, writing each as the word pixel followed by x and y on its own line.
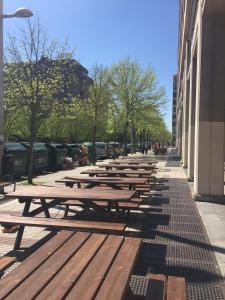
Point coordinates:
pixel 186 227
pixel 194 272
pixel 185 252
pixel 205 292
pixel 138 286
pixel 175 211
pixel 175 237
pixel 164 218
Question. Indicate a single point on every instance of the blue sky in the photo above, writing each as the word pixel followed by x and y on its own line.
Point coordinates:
pixel 105 31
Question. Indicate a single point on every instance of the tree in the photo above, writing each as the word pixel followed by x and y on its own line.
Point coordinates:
pixel 98 101
pixel 34 78
pixel 134 90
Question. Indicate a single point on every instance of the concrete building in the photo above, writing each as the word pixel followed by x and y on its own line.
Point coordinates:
pixel 174 108
pixel 201 95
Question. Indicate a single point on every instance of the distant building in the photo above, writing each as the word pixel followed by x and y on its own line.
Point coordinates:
pixel 75 80
pixel 174 108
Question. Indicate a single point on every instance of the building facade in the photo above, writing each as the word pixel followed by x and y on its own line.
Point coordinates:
pixel 174 108
pixel 201 95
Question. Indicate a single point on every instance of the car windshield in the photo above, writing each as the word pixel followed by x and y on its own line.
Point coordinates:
pixel 101 146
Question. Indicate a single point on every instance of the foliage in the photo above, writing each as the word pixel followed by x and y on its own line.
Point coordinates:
pixel 44 96
pixel 33 80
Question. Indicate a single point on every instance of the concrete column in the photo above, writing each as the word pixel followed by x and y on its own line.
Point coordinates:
pixel 185 110
pixel 179 133
pixel 1 87
pixel 191 132
pixel 185 125
pixel 210 108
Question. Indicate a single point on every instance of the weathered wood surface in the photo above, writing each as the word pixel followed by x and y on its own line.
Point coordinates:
pixel 134 161
pixel 60 223
pixel 128 166
pixel 63 194
pixel 106 180
pixel 77 265
pixel 118 172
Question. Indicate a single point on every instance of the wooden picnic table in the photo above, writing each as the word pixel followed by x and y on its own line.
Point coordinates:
pixel 128 166
pixel 56 195
pixel 122 173
pixel 113 182
pixel 78 265
pixel 134 161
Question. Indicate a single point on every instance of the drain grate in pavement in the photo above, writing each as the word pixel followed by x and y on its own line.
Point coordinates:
pixel 175 211
pixel 184 219
pixel 175 237
pixel 164 219
pixel 139 284
pixel 195 228
pixel 185 252
pixel 205 292
pixel 194 272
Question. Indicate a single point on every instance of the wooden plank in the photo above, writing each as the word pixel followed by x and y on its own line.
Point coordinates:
pixel 116 281
pixel 117 172
pixel 3 184
pixel 96 270
pixel 176 289
pixel 63 194
pixel 105 180
pixel 70 273
pixel 5 263
pixel 18 275
pixel 35 283
pixel 61 224
pixel 157 287
pixel 129 166
pixel 132 204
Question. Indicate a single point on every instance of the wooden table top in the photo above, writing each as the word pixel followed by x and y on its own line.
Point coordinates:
pixel 128 166
pixel 78 265
pixel 134 161
pixel 105 180
pixel 63 194
pixel 117 172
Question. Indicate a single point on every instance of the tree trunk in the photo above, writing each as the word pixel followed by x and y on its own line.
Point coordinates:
pixel 30 162
pixel 134 134
pixel 132 138
pixel 93 141
pixel 125 137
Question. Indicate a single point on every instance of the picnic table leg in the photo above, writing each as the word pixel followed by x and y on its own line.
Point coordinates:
pixel 68 184
pixel 21 228
pixel 45 208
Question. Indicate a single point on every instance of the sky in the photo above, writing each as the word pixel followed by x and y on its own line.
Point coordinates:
pixel 106 31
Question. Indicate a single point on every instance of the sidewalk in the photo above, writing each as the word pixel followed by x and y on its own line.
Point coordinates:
pixel 175 241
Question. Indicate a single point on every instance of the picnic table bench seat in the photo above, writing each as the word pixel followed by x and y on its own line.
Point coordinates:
pixel 162 287
pixel 74 265
pixel 5 263
pixel 133 204
pixel 61 223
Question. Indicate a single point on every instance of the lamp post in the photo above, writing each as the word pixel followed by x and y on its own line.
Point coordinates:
pixel 19 13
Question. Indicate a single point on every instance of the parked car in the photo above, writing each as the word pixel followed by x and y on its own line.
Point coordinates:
pixel 104 150
pixel 101 150
pixel 116 148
